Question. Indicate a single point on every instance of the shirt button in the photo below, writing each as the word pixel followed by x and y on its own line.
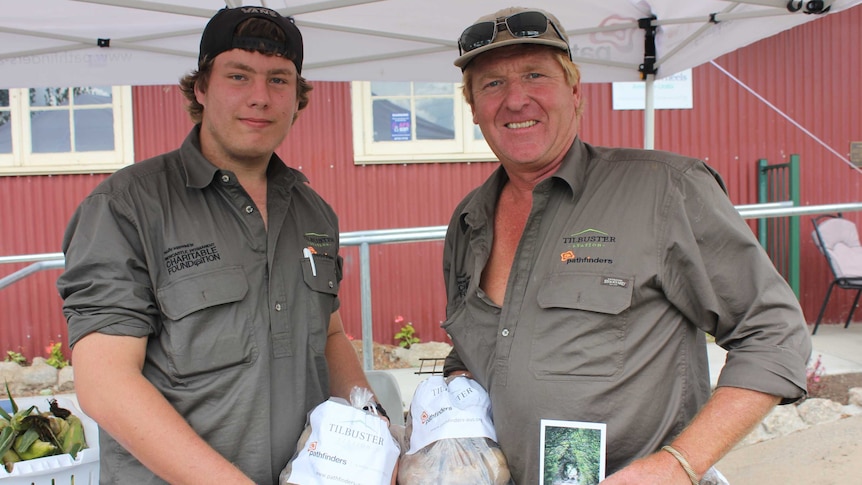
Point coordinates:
pixel 249 209
pixel 331 284
pixel 505 332
pixel 278 307
pixel 225 178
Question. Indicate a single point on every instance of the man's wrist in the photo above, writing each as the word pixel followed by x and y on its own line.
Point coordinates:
pixel 686 466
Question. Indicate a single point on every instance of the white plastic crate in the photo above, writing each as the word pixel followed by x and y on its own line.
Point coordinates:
pixel 57 469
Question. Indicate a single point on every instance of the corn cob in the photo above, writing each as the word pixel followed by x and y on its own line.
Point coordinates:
pixel 74 440
pixel 10 458
pixel 37 449
pixel 24 441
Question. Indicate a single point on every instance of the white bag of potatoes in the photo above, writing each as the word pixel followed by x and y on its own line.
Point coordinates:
pixel 342 444
pixel 450 437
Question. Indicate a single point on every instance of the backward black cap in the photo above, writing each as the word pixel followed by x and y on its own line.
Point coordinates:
pixel 220 34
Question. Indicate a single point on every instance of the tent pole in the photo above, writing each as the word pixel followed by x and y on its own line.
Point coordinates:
pixel 648 71
pixel 649 112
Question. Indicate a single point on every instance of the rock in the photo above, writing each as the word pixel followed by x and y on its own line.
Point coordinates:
pixel 66 379
pixel 9 371
pixel 817 411
pixel 855 396
pixel 851 410
pixel 757 435
pixel 779 422
pixel 783 420
pixel 383 356
pixel 429 350
pixel 38 376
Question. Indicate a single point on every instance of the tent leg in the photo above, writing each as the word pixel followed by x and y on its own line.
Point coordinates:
pixel 649 112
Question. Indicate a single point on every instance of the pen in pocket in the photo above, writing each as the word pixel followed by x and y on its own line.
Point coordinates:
pixel 307 253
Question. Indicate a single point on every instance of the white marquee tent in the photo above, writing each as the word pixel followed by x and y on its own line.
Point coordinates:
pixel 46 42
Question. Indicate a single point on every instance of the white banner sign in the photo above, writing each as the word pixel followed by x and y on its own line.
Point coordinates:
pixel 672 92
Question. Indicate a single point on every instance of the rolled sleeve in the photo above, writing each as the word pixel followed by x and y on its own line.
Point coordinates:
pixel 105 286
pixel 724 282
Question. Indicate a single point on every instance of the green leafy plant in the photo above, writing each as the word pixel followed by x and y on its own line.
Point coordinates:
pixel 406 337
pixel 55 355
pixel 16 357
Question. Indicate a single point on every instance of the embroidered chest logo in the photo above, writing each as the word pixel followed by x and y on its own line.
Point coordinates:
pixel 318 243
pixel 189 255
pixel 589 238
pixel 583 240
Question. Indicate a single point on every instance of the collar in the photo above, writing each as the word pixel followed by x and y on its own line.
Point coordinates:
pixel 200 172
pixel 479 208
pixel 573 170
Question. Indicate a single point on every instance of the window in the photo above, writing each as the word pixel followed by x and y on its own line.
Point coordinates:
pixel 410 122
pixel 65 130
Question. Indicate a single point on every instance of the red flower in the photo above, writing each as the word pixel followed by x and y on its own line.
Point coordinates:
pixel 399 319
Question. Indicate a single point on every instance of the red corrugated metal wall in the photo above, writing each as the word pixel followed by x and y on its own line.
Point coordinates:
pixel 810 73
pixel 35 213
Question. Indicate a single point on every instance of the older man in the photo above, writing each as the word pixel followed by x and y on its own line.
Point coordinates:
pixel 582 280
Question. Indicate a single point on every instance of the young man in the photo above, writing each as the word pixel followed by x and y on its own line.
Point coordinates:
pixel 201 285
pixel 582 280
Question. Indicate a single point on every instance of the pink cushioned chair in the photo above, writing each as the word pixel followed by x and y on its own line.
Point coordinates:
pixel 838 240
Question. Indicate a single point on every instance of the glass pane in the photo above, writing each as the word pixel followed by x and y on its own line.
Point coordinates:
pixel 435 119
pixel 382 88
pixel 391 119
pixel 5 123
pixel 93 95
pixel 50 131
pixel 49 96
pixel 5 132
pixel 433 88
pixel 477 133
pixel 94 130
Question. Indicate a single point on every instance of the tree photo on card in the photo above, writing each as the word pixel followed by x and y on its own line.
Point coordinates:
pixel 572 452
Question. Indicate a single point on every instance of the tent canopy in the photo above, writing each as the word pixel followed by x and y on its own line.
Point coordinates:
pixel 47 42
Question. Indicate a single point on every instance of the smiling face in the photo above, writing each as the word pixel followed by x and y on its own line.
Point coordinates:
pixel 249 106
pixel 525 107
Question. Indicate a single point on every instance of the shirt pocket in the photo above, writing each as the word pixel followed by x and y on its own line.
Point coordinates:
pixel 322 282
pixel 580 329
pixel 206 327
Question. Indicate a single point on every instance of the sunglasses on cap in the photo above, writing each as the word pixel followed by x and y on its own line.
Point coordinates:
pixel 519 25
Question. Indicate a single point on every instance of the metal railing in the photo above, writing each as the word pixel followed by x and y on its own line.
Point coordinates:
pixel 364 239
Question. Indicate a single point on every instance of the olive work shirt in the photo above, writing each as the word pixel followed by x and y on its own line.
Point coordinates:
pixel 174 249
pixel 627 258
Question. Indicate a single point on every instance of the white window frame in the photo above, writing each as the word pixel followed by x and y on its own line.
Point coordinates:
pixel 464 148
pixel 22 161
